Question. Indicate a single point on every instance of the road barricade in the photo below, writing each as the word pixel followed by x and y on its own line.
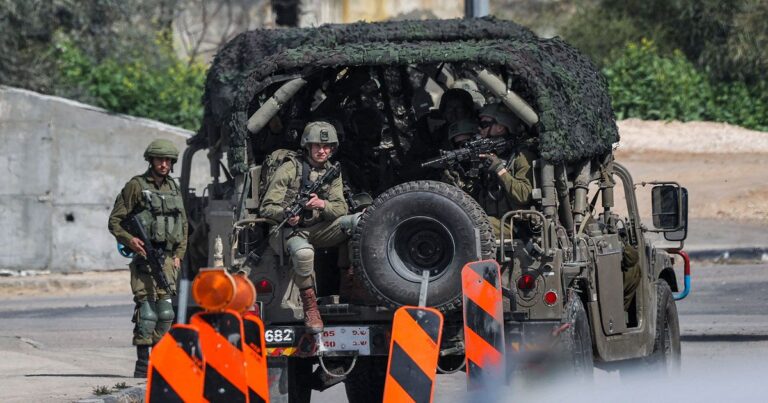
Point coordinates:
pixel 483 323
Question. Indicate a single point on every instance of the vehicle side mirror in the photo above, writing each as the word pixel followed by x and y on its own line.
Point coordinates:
pixel 681 233
pixel 670 211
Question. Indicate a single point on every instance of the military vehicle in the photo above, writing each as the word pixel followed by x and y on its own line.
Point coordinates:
pixel 379 84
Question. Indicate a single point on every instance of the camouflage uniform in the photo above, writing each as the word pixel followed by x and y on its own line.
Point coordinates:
pixel 630 271
pixel 161 207
pixel 508 185
pixel 509 191
pixel 317 228
pixel 466 128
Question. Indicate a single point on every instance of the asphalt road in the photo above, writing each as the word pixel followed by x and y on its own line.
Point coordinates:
pixel 62 349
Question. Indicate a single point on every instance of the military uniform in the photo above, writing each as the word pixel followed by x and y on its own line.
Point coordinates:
pixel 318 228
pixel 630 271
pixel 160 208
pixel 460 132
pixel 326 227
pixel 512 190
pixel 508 185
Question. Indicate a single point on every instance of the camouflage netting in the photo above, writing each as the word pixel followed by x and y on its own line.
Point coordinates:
pixel 562 85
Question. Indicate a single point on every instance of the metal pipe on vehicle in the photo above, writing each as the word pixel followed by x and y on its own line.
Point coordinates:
pixel 564 199
pixel 580 195
pixel 606 182
pixel 549 194
pixel 269 109
pixel 513 101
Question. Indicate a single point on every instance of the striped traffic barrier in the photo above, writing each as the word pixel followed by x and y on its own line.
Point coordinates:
pixel 413 354
pixel 176 367
pixel 221 338
pixel 483 322
pixel 255 359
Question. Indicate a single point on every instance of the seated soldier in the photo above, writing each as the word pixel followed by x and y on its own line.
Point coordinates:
pixel 508 184
pixel 459 133
pixel 455 105
pixel 324 221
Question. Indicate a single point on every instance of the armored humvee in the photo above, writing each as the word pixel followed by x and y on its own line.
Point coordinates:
pixel 379 84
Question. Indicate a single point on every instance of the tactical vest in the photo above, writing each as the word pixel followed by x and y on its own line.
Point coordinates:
pixel 160 212
pixel 300 180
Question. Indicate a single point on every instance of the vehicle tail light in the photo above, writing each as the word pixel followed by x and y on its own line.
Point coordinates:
pixel 264 286
pixel 213 288
pixel 526 282
pixel 550 297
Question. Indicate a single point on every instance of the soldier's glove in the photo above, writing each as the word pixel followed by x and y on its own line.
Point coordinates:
pixel 494 163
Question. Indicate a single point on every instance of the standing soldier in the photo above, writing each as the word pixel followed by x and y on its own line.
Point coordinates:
pixel 509 183
pixel 323 223
pixel 156 199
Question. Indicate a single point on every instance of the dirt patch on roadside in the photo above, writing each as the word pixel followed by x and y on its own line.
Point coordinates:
pixel 62 285
pixel 724 167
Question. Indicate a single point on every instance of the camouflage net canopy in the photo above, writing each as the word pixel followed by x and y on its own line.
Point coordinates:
pixel 562 85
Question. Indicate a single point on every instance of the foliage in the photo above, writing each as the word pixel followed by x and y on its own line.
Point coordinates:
pixel 726 38
pixel 160 87
pixel 101 28
pixel 648 85
pixel 112 53
pixel 101 390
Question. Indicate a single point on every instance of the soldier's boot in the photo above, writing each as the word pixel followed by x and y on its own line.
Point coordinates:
pixel 312 319
pixel 142 362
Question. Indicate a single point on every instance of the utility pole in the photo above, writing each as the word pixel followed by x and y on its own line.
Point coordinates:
pixel 475 8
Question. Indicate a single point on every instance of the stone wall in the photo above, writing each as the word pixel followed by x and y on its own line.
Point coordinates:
pixel 62 165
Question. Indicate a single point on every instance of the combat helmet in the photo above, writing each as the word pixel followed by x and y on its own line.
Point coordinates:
pixel 463 126
pixel 502 115
pixel 319 132
pixel 161 148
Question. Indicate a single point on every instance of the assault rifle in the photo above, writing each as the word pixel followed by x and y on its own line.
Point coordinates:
pixel 469 151
pixel 296 208
pixel 155 257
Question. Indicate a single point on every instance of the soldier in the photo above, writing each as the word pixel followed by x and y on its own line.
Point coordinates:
pixel 156 198
pixel 459 133
pixel 509 182
pixel 323 223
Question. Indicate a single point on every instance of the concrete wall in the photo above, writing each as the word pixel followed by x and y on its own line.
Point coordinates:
pixel 62 164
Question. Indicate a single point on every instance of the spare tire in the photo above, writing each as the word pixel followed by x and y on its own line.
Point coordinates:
pixel 417 226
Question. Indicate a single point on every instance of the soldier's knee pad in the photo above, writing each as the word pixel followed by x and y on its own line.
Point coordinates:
pixel 164 319
pixel 303 261
pixel 146 320
pixel 164 310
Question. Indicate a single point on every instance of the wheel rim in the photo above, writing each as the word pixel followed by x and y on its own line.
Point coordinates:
pixel 418 244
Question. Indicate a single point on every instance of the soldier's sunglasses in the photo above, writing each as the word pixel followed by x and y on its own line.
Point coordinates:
pixel 484 124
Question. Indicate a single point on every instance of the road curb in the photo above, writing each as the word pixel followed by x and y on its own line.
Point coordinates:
pixel 730 254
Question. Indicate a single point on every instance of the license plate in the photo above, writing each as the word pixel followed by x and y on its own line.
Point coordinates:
pixel 346 338
pixel 284 336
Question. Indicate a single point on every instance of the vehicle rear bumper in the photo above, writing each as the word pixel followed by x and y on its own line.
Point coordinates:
pixel 337 340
